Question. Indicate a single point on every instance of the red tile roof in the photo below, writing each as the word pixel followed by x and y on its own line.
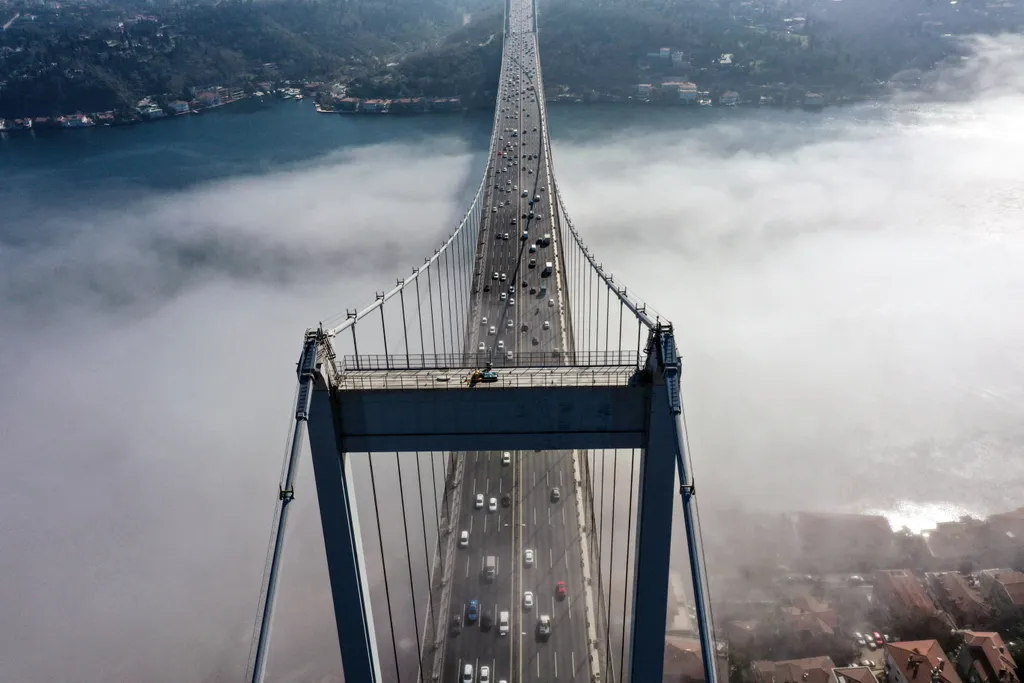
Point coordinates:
pixel 808 670
pixel 900 590
pixel 917 658
pixel 990 657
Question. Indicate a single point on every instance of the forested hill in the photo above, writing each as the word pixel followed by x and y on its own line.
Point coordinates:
pixel 95 56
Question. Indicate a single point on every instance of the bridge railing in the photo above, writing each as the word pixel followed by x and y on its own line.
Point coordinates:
pixel 529 359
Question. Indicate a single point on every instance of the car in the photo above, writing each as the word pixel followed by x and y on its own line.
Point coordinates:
pixel 504 295
pixel 510 323
pixel 473 611
pixel 501 345
pixel 533 263
pixel 481 347
pixel 485 621
pixel 505 237
pixel 494 275
pixel 479 500
pixel 504 277
pixel 492 505
pixel 556 494
pixel 456 624
pixel 551 303
pixel 509 356
pixel 506 457
pixel 506 500
pixel 544 626
pixel 494 209
pixel 485 674
pixel 546 325
pixel 533 248
pixel 528 557
pixel 464 539
pixel 525 236
pixel 467 674
pixel 527 600
pixel 511 289
pixel 511 301
pixel 560 590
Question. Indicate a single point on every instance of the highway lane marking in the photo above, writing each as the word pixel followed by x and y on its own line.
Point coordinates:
pixel 568 598
pixel 551 564
pixel 485 524
pixel 471 524
pixel 535 516
pixel 467 576
pixel 556 664
pixel 538 666
pixel 572 658
pixel 563 515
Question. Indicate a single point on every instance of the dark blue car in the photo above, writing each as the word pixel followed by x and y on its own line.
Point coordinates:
pixel 474 610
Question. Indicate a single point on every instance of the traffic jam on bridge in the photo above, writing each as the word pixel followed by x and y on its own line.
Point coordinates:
pixel 516 607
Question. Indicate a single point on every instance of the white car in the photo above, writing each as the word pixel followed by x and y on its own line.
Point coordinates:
pixel 494 275
pixel 494 209
pixel 511 301
pixel 527 600
pixel 528 557
pixel 485 674
pixel 490 330
pixel 503 277
pixel 508 355
pixel 479 500
pixel 481 347
pixel 551 303
pixel 503 296
pixel 483 321
pixel 509 324
pixel 506 458
pixel 492 505
pixel 501 346
pixel 546 325
pixel 464 539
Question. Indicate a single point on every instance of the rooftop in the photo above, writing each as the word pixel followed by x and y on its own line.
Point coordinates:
pixel 917 659
pixel 990 657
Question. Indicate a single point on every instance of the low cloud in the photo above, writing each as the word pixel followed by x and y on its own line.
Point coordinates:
pixel 845 288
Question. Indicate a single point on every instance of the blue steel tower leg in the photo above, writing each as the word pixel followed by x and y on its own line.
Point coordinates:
pixel 664 452
pixel 653 533
pixel 335 490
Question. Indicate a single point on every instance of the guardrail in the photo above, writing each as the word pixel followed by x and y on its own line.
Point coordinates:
pixel 479 360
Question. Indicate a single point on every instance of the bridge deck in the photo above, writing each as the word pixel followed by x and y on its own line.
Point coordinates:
pixel 459 378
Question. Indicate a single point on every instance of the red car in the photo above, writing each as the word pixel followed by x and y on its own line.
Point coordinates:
pixel 560 589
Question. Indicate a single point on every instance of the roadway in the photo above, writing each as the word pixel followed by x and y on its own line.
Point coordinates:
pixel 517 308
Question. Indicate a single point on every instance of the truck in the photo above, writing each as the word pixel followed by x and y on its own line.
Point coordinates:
pixel 544 626
pixel 548 268
pixel 545 239
pixel 490 566
pixel 503 624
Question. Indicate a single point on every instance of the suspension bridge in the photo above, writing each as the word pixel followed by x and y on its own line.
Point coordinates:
pixel 497 443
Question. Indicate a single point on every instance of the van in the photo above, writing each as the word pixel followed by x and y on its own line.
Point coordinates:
pixel 503 624
pixel 491 567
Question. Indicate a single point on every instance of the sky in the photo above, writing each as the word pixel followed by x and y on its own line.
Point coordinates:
pixel 846 299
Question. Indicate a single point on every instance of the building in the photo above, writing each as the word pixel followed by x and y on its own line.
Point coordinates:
pixel 684 91
pixel 853 674
pixel 809 617
pixel 918 661
pixel 813 100
pixel 1003 587
pixel 984 658
pixel 902 594
pixel 678 58
pixel 729 98
pixel 842 542
pixel 643 90
pixel 809 670
pixel 374 106
pixel 683 663
pixel 958 594
pixel 179 107
pixel 957 541
pixel 665 52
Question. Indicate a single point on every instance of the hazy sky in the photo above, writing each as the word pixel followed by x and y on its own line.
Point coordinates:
pixel 848 305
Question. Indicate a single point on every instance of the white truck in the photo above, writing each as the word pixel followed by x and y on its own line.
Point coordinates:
pixel 503 624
